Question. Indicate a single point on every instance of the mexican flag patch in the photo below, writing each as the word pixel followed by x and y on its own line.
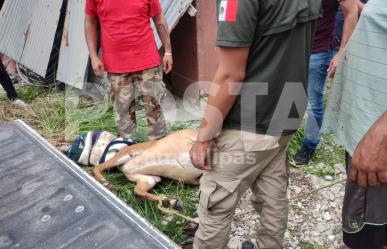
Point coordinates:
pixel 228 10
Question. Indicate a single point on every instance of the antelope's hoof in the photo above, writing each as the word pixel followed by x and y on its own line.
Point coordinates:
pixel 178 205
pixel 166 203
pixel 188 243
pixel 109 186
pixel 175 204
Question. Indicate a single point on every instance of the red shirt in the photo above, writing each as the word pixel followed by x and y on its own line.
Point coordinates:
pixel 128 43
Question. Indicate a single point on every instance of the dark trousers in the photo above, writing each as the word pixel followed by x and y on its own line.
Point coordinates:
pixel 371 236
pixel 6 83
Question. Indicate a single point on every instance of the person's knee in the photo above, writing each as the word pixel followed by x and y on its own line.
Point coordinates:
pixel 216 208
pixel 316 100
pixel 273 200
pixel 315 110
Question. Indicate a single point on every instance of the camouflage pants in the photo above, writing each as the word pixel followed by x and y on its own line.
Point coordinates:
pixel 122 89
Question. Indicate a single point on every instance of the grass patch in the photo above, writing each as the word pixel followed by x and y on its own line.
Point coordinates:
pixel 45 112
pixel 296 208
pixel 105 123
pixel 50 115
pixel 338 230
pixel 175 126
pixel 81 118
pixel 171 226
pixel 327 155
pixel 307 245
pixel 28 93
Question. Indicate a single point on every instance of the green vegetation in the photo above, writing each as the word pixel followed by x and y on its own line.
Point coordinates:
pixel 327 155
pixel 28 93
pixel 171 226
pixel 307 245
pixel 296 207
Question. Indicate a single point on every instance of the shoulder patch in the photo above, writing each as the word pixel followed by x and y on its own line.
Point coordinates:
pixel 228 10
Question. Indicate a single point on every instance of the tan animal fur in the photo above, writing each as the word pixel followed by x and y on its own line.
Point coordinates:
pixel 145 163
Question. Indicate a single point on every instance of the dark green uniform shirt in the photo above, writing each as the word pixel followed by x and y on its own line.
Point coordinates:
pixel 279 34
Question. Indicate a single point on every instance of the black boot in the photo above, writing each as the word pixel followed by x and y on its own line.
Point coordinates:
pixel 247 245
pixel 7 84
pixel 303 156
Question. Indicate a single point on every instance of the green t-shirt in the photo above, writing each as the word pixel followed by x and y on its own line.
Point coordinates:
pixel 279 34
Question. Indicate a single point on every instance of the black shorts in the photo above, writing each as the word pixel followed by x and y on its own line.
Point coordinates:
pixel 370 237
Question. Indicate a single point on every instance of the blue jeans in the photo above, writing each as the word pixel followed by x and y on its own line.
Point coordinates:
pixel 319 63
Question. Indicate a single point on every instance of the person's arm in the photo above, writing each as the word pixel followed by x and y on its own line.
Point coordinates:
pixel 231 70
pixel 369 162
pixel 350 11
pixel 163 32
pixel 91 35
pixel 360 6
pixel 236 34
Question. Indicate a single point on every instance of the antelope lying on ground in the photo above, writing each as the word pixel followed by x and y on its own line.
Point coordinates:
pixel 145 163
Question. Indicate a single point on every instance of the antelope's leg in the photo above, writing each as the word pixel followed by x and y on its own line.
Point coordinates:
pixel 124 154
pixel 144 183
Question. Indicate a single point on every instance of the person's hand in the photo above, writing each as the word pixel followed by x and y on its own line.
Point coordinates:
pixel 199 154
pixel 168 63
pixel 369 162
pixel 333 66
pixel 97 66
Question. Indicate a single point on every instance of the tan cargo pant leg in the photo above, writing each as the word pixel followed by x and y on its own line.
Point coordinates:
pixel 122 92
pixel 234 171
pixel 151 89
pixel 270 200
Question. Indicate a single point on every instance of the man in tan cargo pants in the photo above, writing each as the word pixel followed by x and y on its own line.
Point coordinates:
pixel 240 163
pixel 265 47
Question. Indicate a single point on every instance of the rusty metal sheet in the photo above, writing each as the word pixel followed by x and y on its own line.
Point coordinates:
pixel 28 30
pixel 14 26
pixel 74 55
pixel 173 11
pixel 46 201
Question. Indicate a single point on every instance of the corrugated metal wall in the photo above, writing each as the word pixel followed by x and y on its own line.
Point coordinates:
pixel 173 10
pixel 74 55
pixel 27 31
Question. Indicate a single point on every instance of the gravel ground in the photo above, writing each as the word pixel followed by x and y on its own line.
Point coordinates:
pixel 314 220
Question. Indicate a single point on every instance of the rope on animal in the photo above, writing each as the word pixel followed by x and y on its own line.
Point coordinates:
pixel 173 212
